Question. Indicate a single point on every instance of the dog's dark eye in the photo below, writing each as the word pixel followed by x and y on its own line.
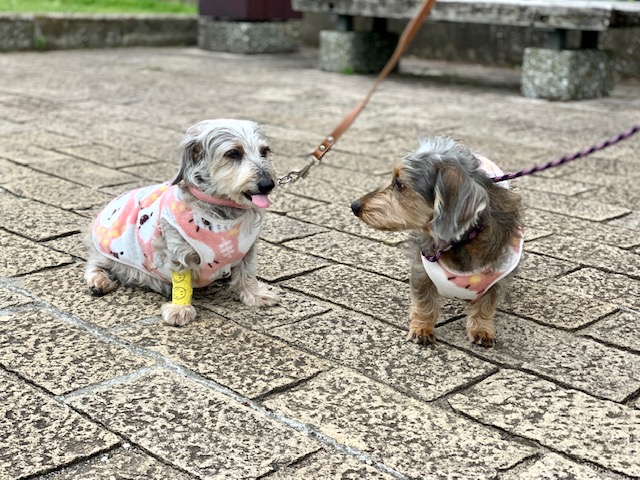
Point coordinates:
pixel 264 151
pixel 234 154
pixel 397 184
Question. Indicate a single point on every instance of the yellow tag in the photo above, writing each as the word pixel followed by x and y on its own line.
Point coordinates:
pixel 182 289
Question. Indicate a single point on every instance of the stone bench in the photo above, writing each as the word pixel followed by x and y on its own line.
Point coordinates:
pixel 555 71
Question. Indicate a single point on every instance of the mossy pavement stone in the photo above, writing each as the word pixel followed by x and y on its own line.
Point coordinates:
pixel 40 434
pixel 587 428
pixel 211 436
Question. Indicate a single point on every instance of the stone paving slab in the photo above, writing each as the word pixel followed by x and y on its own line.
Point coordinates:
pixel 324 464
pixel 621 329
pixel 594 210
pixel 341 218
pixel 591 254
pixel 587 428
pixel 55 191
pixel 609 287
pixel 35 220
pixel 9 298
pixel 154 172
pixel 106 156
pixel 247 362
pixel 617 233
pixel 631 222
pixel 84 172
pixel 416 439
pixel 40 434
pixel 276 262
pixel 283 202
pixel 381 352
pixel 211 436
pixel 557 186
pixel 550 305
pixel 22 256
pixel 58 356
pixel 71 244
pixel 125 462
pixel 537 268
pixel 578 362
pixel 369 255
pixel 71 295
pixel 555 467
pixel 292 308
pixel 280 228
pixel 387 299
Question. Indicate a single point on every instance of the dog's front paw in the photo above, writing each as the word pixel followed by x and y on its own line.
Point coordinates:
pixel 421 335
pixel 177 315
pixel 261 297
pixel 483 338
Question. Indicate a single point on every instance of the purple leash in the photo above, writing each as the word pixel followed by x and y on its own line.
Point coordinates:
pixel 568 158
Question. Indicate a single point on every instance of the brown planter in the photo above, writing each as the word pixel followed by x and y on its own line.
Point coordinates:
pixel 248 10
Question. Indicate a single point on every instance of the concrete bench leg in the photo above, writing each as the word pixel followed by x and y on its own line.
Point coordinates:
pixel 248 37
pixel 356 52
pixel 566 74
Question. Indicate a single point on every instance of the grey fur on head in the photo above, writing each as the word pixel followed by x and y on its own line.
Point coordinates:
pixel 447 175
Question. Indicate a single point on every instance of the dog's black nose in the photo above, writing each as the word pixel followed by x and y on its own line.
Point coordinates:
pixel 356 207
pixel 265 185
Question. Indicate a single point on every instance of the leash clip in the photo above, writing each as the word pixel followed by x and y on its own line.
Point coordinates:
pixel 295 175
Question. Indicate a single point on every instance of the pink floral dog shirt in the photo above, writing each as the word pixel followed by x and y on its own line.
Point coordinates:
pixel 472 285
pixel 128 226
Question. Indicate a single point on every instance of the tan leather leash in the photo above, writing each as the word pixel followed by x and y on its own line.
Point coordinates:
pixel 330 140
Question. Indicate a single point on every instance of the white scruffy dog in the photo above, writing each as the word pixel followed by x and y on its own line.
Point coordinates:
pixel 190 232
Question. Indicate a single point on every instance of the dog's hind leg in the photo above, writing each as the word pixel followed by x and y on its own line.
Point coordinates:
pixel 98 278
pixel 425 306
pixel 480 327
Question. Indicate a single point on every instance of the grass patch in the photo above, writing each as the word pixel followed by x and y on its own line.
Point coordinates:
pixel 97 6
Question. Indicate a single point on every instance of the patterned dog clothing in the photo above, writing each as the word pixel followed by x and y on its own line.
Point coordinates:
pixel 128 227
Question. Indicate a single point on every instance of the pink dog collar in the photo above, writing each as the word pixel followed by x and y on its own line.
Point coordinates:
pixel 222 202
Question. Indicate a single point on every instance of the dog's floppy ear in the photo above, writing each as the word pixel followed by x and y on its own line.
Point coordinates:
pixel 190 153
pixel 458 200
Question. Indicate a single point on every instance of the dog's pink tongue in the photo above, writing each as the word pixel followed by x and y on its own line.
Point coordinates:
pixel 260 201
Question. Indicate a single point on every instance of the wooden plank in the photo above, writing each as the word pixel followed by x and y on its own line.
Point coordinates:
pixel 561 14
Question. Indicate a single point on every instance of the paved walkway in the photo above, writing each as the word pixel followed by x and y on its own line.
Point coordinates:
pixel 324 386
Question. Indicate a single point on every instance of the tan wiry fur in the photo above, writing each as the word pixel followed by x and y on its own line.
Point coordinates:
pixel 438 192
